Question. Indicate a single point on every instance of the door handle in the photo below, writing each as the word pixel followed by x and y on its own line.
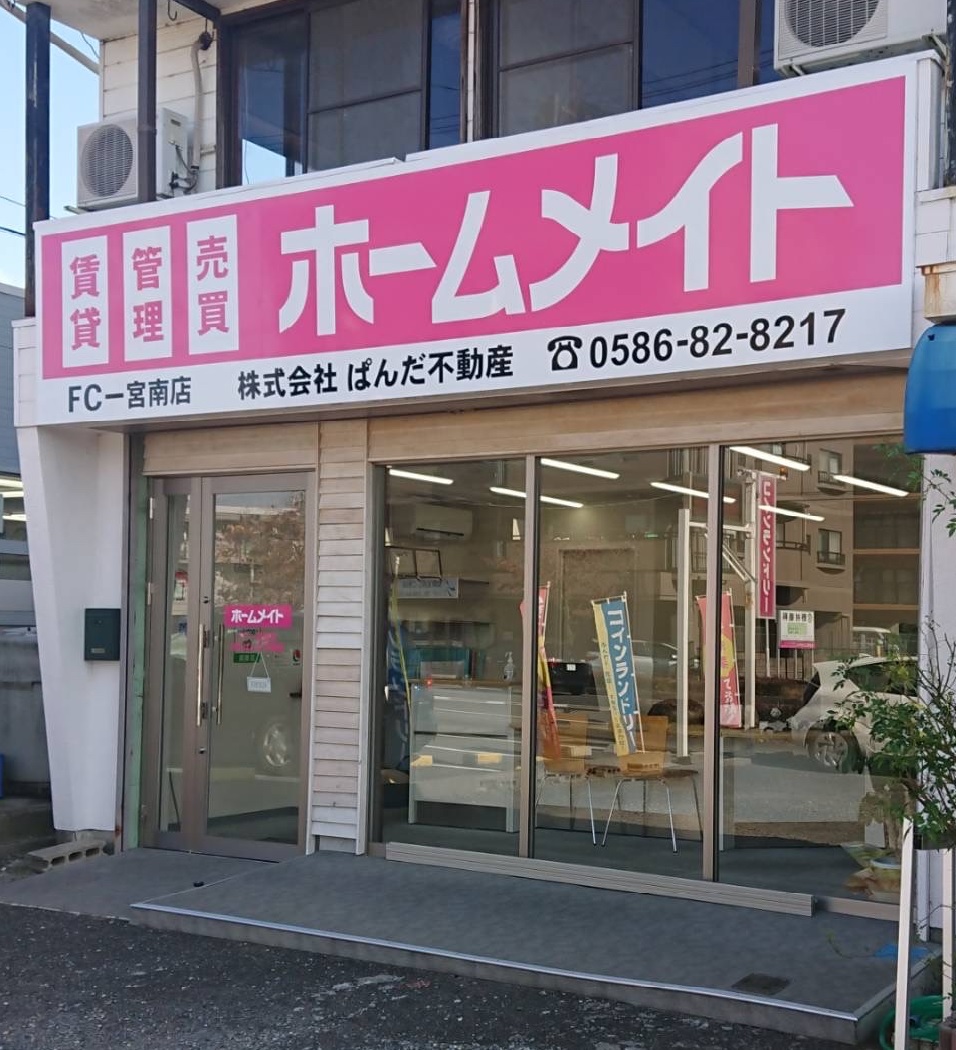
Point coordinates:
pixel 222 644
pixel 203 644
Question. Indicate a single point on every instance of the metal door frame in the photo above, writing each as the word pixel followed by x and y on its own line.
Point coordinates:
pixel 199 673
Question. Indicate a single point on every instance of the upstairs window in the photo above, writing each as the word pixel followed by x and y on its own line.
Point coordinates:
pixel 343 82
pixel 563 61
pixel 270 60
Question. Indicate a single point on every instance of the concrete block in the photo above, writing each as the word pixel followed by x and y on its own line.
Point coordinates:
pixel 65 853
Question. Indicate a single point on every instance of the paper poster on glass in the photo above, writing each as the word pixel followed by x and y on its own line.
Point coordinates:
pixel 731 709
pixel 620 680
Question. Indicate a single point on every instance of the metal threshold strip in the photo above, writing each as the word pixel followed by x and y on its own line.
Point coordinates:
pixel 606 878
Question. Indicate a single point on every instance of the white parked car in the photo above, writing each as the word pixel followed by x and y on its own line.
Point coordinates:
pixel 816 725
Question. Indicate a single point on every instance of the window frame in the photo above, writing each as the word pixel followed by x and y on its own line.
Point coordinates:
pixel 228 142
pixel 748 58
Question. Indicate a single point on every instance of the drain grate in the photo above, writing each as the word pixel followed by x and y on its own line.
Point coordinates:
pixel 761 984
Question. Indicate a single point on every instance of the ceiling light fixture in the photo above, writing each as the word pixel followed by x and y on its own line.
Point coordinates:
pixel 862 483
pixel 14 517
pixel 790 513
pixel 769 457
pixel 434 479
pixel 544 499
pixel 684 491
pixel 577 468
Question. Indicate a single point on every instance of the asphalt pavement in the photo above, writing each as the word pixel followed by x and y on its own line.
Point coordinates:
pixel 68 981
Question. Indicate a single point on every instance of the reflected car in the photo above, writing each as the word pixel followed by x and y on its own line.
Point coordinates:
pixel 816 726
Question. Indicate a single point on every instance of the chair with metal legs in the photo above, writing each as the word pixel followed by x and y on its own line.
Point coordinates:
pixel 647 766
pixel 572 766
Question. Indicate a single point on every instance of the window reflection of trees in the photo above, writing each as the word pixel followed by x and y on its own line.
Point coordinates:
pixel 260 552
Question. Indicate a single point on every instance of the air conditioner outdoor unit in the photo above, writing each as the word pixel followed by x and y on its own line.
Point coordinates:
pixel 432 522
pixel 106 155
pixel 817 34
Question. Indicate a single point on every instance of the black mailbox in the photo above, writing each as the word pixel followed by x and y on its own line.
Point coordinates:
pixel 101 634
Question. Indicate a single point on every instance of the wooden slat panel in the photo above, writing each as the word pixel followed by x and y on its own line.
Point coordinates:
pixel 347 610
pixel 336 784
pixel 335 799
pixel 248 448
pixel 337 719
pixel 342 562
pixel 340 638
pixel 348 453
pixel 342 579
pixel 353 531
pixel 340 500
pixel 339 633
pixel 332 767
pixel 339 658
pixel 343 470
pixel 331 735
pixel 332 697
pixel 349 623
pixel 645 418
pixel 335 815
pixel 338 593
pixel 342 486
pixel 337 752
pixel 340 515
pixel 331 842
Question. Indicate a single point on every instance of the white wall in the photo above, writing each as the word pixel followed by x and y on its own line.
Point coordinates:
pixel 74 485
pixel 175 84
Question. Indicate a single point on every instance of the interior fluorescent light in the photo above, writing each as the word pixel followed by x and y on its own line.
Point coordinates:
pixel 578 469
pixel 14 517
pixel 412 476
pixel 770 457
pixel 11 483
pixel 684 491
pixel 874 485
pixel 544 499
pixel 790 513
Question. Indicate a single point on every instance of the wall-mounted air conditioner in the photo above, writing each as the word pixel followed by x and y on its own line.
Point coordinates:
pixel 431 523
pixel 819 34
pixel 106 160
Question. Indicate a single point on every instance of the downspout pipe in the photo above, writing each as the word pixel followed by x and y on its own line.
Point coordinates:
pixel 37 123
pixel 949 177
pixel 146 103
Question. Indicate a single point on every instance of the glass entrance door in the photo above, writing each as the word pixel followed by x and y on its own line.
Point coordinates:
pixel 225 690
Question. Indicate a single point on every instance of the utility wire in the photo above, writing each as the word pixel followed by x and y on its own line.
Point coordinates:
pixel 16 233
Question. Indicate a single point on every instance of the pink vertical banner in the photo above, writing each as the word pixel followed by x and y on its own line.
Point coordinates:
pixel 728 700
pixel 766 547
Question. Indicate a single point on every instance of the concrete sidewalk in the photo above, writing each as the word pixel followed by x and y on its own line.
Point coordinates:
pixel 828 976
pixel 98 983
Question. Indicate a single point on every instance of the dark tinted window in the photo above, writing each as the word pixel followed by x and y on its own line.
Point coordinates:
pixel 688 49
pixel 270 59
pixel 345 83
pixel 563 61
pixel 767 72
pixel 444 83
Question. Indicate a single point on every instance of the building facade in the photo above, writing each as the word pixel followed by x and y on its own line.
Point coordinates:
pixel 491 447
pixel 16 593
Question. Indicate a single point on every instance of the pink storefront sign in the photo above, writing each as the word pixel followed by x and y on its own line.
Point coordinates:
pixel 757 228
pixel 277 616
pixel 766 547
